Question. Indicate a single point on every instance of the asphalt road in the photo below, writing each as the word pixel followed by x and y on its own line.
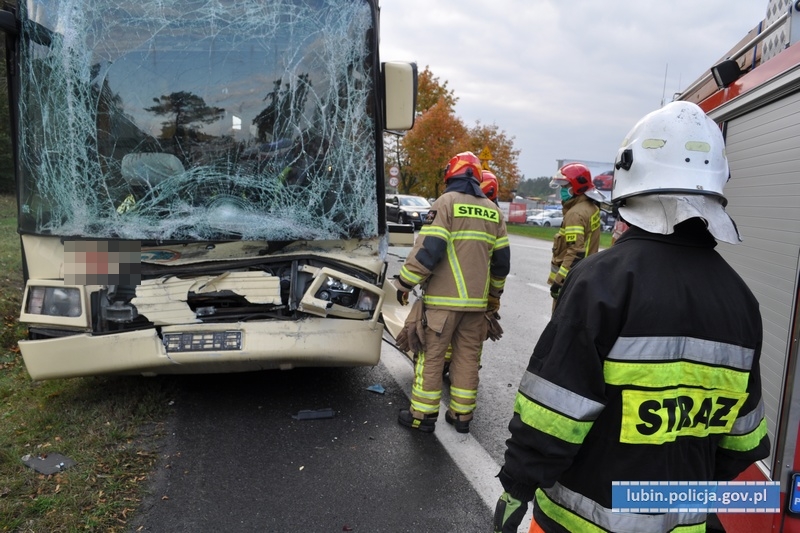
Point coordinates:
pixel 236 459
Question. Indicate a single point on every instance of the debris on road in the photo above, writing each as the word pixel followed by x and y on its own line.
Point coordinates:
pixel 48 464
pixel 376 388
pixel 314 414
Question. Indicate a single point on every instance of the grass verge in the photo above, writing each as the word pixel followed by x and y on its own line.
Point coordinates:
pixel 538 232
pixel 107 425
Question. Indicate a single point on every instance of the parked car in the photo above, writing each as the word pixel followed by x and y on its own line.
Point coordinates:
pixel 547 218
pixel 604 181
pixel 406 209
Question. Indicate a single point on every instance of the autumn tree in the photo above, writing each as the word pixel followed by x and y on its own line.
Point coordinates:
pixel 437 135
pixel 430 90
pixel 504 156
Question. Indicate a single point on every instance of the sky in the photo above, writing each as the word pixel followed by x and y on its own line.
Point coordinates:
pixel 566 79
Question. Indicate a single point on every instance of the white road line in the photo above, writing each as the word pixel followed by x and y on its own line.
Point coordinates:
pixel 544 288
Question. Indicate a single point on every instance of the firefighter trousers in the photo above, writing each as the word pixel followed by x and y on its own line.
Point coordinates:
pixel 465 331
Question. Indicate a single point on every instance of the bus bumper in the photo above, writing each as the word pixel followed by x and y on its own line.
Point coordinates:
pixel 312 342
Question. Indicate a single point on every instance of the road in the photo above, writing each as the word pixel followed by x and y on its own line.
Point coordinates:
pixel 235 459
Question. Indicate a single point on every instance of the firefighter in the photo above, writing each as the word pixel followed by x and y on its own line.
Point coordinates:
pixel 579 235
pixel 649 367
pixel 461 259
pixel 489 186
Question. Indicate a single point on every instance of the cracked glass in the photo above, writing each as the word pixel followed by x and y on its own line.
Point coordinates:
pixel 165 120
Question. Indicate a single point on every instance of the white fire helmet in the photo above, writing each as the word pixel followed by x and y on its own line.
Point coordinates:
pixel 672 167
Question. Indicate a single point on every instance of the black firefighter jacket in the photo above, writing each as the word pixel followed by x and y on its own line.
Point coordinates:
pixel 647 371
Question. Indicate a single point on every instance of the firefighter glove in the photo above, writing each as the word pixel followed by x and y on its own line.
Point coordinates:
pixel 508 514
pixel 494 331
pixel 402 290
pixel 493 304
pixel 555 289
pixel 402 297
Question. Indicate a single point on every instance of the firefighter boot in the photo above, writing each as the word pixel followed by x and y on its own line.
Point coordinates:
pixel 426 424
pixel 460 422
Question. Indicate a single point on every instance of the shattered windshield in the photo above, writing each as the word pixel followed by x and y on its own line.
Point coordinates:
pixel 198 119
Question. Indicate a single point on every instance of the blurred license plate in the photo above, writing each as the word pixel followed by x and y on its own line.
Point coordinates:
pixel 203 341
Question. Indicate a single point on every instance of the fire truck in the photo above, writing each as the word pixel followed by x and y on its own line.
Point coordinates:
pixel 753 93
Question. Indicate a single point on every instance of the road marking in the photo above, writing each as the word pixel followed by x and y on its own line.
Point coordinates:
pixel 538 286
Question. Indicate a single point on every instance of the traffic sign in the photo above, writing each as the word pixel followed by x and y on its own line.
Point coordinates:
pixel 485 154
pixel 394 171
pixel 393 182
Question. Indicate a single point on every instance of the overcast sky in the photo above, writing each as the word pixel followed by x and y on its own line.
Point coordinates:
pixel 566 78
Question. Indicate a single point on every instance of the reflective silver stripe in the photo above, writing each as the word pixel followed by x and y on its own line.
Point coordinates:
pixel 689 348
pixel 619 522
pixel 559 399
pixel 747 423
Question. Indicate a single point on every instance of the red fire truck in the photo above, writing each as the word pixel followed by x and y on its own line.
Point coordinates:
pixel 754 95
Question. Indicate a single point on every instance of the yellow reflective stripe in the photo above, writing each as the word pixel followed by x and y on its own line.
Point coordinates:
pixel 467 394
pixel 674 374
pixel 425 408
pixel 501 242
pixel 498 283
pixel 435 231
pixel 563 271
pixel 467 303
pixel 577 230
pixel 656 417
pixel 462 408
pixel 409 276
pixel 426 395
pixel 468 235
pixel 455 267
pixel 744 443
pixel 550 422
pixel 569 520
pixel 595 220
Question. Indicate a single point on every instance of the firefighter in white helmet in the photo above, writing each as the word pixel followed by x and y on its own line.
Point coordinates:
pixel 649 368
pixel 579 235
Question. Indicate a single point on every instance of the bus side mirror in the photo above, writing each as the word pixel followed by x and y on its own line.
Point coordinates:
pixel 400 95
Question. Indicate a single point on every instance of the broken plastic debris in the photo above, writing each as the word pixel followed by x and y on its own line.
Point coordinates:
pixel 376 388
pixel 51 463
pixel 313 414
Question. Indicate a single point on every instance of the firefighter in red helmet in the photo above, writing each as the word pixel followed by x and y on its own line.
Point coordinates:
pixel 489 185
pixel 579 235
pixel 460 259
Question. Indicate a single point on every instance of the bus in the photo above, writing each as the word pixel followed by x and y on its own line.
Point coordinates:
pixel 200 183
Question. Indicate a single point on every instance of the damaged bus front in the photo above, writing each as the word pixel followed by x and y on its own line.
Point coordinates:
pixel 199 182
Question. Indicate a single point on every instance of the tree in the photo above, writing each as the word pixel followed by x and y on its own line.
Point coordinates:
pixel 505 156
pixel 535 187
pixel 7 185
pixel 430 91
pixel 186 111
pixel 437 135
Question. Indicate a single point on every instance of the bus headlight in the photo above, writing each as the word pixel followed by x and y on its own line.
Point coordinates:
pixel 54 301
